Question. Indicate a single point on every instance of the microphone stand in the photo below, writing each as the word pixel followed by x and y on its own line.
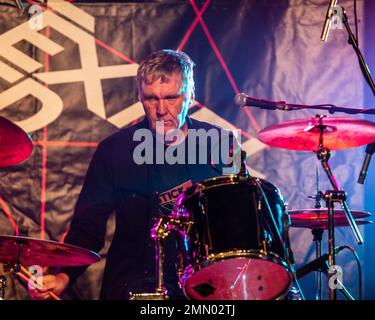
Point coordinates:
pixel 353 41
pixel 281 105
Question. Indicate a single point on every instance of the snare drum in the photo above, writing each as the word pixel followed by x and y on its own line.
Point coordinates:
pixel 234 247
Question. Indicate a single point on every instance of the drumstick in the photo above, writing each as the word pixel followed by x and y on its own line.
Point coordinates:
pixel 27 279
pixel 51 293
pixel 27 276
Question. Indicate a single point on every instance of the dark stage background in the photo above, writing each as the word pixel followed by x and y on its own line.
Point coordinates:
pixel 71 83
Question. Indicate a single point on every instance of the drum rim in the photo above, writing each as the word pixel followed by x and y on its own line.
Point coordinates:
pixel 238 253
pixel 214 182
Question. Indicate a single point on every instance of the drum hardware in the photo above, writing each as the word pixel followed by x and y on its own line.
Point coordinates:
pixel 160 231
pixel 331 197
pixel 17 251
pixel 286 226
pixel 317 220
pixel 207 243
pixel 317 238
pixel 320 265
pixel 318 235
pixel 340 286
pixel 321 135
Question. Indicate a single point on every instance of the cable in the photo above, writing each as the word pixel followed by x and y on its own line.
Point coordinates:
pixel 359 269
pixel 356 22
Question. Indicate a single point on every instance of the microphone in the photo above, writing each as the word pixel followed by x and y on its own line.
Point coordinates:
pixel 243 100
pixel 316 264
pixel 370 149
pixel 327 23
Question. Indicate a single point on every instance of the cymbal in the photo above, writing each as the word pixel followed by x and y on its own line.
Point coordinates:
pixel 304 134
pixel 44 252
pixel 318 218
pixel 15 144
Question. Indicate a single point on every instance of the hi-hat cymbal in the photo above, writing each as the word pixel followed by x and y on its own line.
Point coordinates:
pixel 44 252
pixel 15 144
pixel 305 134
pixel 318 218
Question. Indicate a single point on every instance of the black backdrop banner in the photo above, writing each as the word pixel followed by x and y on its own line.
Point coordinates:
pixel 67 77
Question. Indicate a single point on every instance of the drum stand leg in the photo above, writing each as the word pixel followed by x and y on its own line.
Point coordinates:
pixel 318 234
pixel 160 231
pixel 332 196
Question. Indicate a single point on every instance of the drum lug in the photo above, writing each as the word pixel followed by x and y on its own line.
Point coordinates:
pixel 266 243
pixel 161 229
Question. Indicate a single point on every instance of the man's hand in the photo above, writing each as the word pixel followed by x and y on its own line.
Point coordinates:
pixel 55 283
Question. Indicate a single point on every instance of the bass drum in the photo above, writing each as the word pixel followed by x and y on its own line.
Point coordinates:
pixel 234 247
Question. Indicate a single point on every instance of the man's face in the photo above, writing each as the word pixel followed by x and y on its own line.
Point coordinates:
pixel 167 102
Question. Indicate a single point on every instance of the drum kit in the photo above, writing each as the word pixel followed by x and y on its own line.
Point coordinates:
pixel 232 232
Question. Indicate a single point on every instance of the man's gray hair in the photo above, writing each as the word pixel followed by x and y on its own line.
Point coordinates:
pixel 162 64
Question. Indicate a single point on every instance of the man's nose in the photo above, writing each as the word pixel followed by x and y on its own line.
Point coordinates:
pixel 161 108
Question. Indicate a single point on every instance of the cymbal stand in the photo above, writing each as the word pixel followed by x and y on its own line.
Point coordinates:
pixel 8 268
pixel 331 197
pixel 317 236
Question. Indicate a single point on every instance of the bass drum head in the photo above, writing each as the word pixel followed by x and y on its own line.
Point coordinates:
pixel 239 278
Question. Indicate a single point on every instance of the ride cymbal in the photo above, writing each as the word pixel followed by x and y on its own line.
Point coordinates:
pixel 308 134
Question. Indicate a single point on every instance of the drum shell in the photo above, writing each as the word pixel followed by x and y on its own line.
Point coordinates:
pixel 229 215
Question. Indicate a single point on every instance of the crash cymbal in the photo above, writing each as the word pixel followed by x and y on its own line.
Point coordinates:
pixel 44 252
pixel 15 144
pixel 318 218
pixel 304 134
